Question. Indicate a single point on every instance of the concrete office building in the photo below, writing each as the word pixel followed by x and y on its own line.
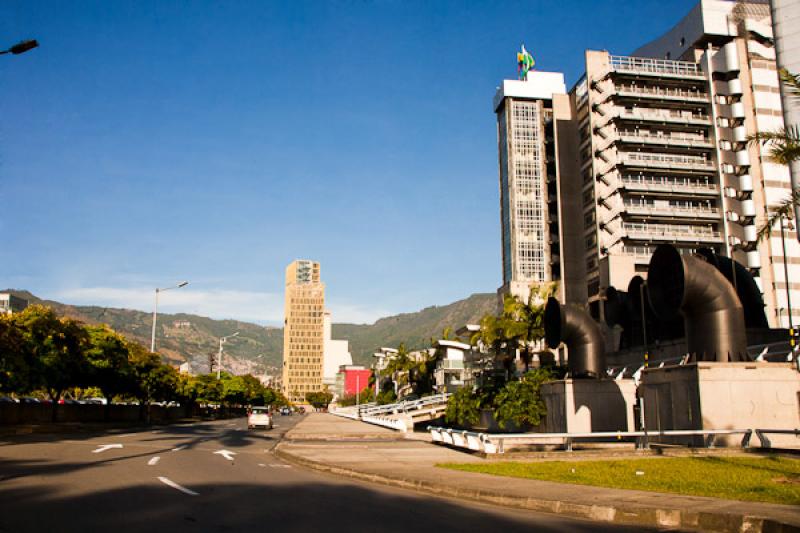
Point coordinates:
pixel 662 157
pixel 303 333
pixel 529 212
pixel 336 353
pixel 10 304
pixel 786 25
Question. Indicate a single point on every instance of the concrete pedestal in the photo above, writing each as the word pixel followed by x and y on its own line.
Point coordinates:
pixel 584 405
pixel 710 395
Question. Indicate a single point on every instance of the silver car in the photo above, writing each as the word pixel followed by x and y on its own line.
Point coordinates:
pixel 259 417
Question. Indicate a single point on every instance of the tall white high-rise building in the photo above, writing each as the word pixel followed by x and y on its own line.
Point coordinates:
pixel 524 111
pixel 647 149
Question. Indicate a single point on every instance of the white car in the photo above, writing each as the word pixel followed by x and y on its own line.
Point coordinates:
pixel 259 417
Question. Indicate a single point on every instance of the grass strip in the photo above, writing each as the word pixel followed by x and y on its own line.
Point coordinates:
pixel 761 479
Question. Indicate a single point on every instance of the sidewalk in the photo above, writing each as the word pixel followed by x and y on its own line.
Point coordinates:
pixel 361 451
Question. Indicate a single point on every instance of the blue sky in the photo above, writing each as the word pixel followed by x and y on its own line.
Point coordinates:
pixel 147 142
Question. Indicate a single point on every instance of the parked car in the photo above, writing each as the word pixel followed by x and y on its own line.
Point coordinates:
pixel 29 399
pixel 259 417
pixel 8 399
pixel 285 411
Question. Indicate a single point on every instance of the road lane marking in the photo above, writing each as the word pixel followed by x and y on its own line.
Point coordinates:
pixel 174 485
pixel 153 461
pixel 105 447
pixel 226 454
pixel 280 466
pixel 179 448
pixel 261 464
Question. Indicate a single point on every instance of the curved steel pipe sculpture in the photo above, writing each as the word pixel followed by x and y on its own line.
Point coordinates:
pixel 577 329
pixel 744 284
pixel 712 313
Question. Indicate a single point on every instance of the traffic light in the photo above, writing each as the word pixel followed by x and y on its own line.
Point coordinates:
pixel 794 337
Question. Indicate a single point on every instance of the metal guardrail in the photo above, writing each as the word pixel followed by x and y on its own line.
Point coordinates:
pixel 372 413
pixel 406 406
pixel 392 423
pixel 495 443
pixel 765 442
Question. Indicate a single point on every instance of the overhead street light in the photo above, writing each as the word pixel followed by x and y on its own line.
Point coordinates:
pixel 219 357
pixel 21 47
pixel 155 312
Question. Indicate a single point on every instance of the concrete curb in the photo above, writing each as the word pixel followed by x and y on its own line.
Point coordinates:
pixel 621 514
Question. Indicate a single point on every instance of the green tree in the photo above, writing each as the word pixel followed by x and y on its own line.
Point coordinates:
pixel 15 365
pixel 154 381
pixel 233 390
pixel 58 349
pixel 253 390
pixel 518 326
pixel 274 397
pixel 109 368
pixel 319 399
pixel 464 407
pixel 520 402
pixel 186 390
pixel 209 388
pixel 386 396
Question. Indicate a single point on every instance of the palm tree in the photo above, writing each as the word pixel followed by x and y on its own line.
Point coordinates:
pixel 518 326
pixel 784 149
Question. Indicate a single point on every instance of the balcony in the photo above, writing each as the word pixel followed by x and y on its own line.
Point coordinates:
pixel 657 67
pixel 648 209
pixel 640 159
pixel 664 116
pixel 662 93
pixel 672 185
pixel 675 139
pixel 670 232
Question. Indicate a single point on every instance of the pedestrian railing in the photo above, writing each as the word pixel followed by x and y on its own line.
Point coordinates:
pixel 406 406
pixel 764 440
pixel 492 443
pixel 392 423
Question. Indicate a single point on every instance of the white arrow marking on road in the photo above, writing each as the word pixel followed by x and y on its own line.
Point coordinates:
pixel 179 448
pixel 153 461
pixel 174 485
pixel 105 447
pixel 226 454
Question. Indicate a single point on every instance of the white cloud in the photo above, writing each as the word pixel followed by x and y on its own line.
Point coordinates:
pixel 258 307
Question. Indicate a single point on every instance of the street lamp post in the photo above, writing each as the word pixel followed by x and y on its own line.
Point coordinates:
pixel 155 312
pixel 786 268
pixel 21 47
pixel 644 323
pixel 219 356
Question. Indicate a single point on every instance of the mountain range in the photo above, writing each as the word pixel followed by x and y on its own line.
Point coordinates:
pixel 185 337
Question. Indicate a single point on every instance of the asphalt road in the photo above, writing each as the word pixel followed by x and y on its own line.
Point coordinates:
pixel 216 476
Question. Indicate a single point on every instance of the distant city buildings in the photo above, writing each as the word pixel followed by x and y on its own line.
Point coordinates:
pixel 648 149
pixel 335 353
pixel 350 380
pixel 10 304
pixel 303 333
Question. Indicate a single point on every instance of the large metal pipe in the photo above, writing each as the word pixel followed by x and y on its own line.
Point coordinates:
pixel 576 328
pixel 712 313
pixel 746 287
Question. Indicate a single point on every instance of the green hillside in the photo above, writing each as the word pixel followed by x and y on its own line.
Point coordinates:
pixel 413 329
pixel 185 337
